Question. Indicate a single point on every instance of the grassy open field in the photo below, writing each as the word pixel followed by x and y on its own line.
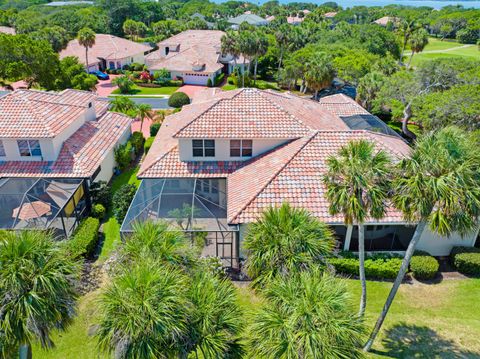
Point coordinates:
pixel 444 49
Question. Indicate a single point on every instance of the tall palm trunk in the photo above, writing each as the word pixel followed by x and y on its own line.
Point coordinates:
pixel 405 40
pixel 255 71
pixel 243 72
pixel 403 269
pixel 86 57
pixel 280 59
pixel 25 351
pixel 361 258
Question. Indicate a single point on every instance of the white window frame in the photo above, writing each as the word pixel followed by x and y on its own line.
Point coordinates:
pixel 203 148
pixel 30 148
pixel 242 148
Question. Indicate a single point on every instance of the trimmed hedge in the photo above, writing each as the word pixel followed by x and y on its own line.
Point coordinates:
pixel 84 241
pixel 423 266
pixel 148 144
pixel 98 211
pixel 154 128
pixel 121 201
pixel 377 266
pixel 466 260
pixel 178 99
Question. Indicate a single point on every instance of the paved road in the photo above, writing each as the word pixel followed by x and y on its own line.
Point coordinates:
pixel 155 102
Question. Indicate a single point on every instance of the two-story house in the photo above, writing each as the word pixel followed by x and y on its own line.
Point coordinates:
pixel 217 164
pixel 194 56
pixel 53 146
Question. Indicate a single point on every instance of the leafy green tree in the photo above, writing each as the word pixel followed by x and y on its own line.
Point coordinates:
pixel 57 37
pixel 72 75
pixel 247 47
pixel 23 58
pixel 358 183
pixel 230 46
pixel 37 291
pixel 124 105
pixel 418 40
pixel 320 72
pixel 144 312
pixel 407 26
pixel 368 88
pixel 124 83
pixel 307 315
pixel 353 65
pixel 134 29
pixel 438 187
pixel 260 48
pixel 167 28
pixel 86 38
pixel 283 241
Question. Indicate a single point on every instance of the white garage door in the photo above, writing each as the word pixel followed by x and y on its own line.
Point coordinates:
pixel 192 79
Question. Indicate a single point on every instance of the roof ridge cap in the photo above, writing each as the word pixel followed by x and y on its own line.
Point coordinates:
pixel 38 115
pixel 203 112
pixel 156 160
pixel 276 173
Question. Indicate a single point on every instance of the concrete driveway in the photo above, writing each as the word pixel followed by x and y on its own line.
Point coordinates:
pixel 191 90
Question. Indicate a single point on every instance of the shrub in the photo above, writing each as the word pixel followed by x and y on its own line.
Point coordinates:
pixel 231 80
pixel 135 66
pixel 98 211
pixel 178 99
pixel 148 144
pixel 466 260
pixel 84 240
pixel 219 79
pixel 154 127
pixel 137 141
pixel 121 201
pixel 376 266
pixel 145 76
pixel 423 266
pixel 123 155
pixel 209 82
pixel 100 193
pixel 124 83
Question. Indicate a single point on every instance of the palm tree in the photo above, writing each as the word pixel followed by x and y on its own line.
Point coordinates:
pixel 229 46
pixel 143 111
pixel 144 312
pixel 36 290
pixel 437 187
pixel 320 72
pixel 418 41
pixel 285 240
pixel 308 315
pixel 358 181
pixel 368 88
pixel 216 320
pixel 86 38
pixel 124 105
pixel 157 240
pixel 260 49
pixel 406 28
pixel 246 46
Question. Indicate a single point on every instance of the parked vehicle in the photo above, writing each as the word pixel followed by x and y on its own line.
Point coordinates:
pixel 100 75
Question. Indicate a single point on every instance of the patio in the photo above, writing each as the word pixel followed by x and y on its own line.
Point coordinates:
pixel 39 203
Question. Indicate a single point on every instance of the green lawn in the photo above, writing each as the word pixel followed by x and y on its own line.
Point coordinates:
pixel 437 45
pixel 425 321
pixel 145 91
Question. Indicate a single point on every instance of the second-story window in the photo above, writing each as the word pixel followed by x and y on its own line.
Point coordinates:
pixel 29 148
pixel 203 148
pixel 241 148
pixel 2 149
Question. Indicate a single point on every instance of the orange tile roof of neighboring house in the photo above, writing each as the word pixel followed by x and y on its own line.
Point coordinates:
pixel 342 105
pixel 383 21
pixel 38 114
pixel 294 174
pixel 330 14
pixel 81 154
pixel 106 47
pixel 251 113
pixel 7 30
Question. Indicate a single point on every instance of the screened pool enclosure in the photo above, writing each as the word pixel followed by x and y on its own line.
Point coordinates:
pixel 196 206
pixel 38 203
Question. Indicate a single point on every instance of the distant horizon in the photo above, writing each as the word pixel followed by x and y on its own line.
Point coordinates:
pixel 435 4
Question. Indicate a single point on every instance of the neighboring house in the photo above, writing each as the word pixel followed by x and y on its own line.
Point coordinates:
pixel 295 20
pixel 384 21
pixel 203 18
pixel 66 3
pixel 7 30
pixel 329 15
pixel 109 52
pixel 250 18
pixel 219 163
pixel 193 56
pixel 53 146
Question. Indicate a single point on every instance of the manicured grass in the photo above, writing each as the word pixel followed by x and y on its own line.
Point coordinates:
pixel 137 90
pixel 111 227
pixel 228 87
pixel 397 126
pixel 425 321
pixel 447 49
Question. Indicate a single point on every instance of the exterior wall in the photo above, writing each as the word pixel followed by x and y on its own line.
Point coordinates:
pixel 138 58
pixel 108 164
pixel 441 246
pixel 222 149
